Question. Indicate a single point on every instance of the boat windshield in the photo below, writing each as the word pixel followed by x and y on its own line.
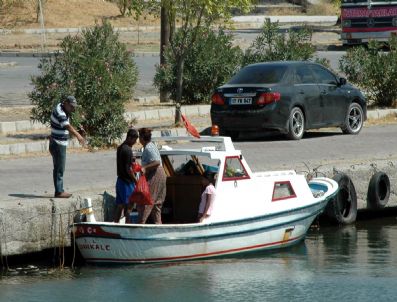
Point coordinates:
pixel 203 144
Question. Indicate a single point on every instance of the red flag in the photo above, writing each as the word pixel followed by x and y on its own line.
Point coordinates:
pixel 189 127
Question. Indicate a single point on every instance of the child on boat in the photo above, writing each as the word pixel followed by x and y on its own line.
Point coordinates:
pixel 207 197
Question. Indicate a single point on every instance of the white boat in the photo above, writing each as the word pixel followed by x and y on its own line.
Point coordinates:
pixel 252 211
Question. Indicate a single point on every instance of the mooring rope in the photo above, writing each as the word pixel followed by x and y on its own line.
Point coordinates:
pixel 74 248
pixel 5 244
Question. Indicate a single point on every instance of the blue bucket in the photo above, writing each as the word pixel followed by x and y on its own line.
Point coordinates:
pixel 134 217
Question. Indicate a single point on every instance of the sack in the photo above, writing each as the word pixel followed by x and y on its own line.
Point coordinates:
pixel 135 167
pixel 141 194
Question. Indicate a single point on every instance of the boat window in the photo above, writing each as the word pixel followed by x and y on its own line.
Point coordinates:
pixel 283 190
pixel 234 169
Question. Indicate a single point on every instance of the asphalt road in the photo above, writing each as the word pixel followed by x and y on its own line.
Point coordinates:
pixel 16 72
pixel 32 177
pixel 15 80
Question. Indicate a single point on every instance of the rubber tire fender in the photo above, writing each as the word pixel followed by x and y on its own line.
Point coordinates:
pixel 378 191
pixel 342 209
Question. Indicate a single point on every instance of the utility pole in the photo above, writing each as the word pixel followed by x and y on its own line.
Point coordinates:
pixel 164 42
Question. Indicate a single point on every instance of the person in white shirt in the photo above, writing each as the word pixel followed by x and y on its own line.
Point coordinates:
pixel 207 197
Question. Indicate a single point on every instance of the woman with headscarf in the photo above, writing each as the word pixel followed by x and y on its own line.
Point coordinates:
pixel 155 175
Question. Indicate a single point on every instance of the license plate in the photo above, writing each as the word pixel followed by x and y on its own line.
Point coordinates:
pixel 240 101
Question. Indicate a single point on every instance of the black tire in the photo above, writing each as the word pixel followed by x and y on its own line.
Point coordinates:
pixel 378 191
pixel 354 119
pixel 342 209
pixel 296 124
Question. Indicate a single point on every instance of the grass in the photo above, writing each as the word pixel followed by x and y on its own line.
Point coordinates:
pixel 388 119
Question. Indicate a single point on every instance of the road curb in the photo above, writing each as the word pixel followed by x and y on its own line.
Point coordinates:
pixel 143 115
pixel 256 21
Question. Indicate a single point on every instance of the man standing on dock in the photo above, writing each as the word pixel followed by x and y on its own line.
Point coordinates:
pixel 60 129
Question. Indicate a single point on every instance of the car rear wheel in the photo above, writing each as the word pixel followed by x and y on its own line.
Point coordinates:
pixel 354 119
pixel 296 125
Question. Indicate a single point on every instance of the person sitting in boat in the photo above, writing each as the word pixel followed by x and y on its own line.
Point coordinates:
pixel 207 197
pixel 156 177
pixel 126 180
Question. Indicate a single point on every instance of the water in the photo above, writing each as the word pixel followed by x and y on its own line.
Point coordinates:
pixel 357 263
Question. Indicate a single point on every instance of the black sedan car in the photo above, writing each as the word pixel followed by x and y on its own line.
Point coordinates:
pixel 288 97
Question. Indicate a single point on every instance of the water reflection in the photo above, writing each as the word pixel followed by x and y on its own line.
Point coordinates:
pixel 367 247
pixel 347 264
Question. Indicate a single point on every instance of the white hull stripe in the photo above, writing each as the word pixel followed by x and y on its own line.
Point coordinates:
pixel 206 236
pixel 258 247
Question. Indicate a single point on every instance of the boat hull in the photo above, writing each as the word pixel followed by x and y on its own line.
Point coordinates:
pixel 132 243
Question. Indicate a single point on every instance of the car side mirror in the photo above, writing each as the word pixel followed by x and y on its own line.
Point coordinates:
pixel 342 81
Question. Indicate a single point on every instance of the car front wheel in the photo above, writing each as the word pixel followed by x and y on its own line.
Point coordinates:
pixel 354 119
pixel 296 125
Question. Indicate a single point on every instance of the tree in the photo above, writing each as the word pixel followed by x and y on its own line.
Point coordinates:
pixel 122 5
pixel 374 70
pixel 98 70
pixel 273 45
pixel 192 14
pixel 203 72
pixel 40 7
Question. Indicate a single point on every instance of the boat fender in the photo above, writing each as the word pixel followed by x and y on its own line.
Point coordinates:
pixel 342 209
pixel 378 191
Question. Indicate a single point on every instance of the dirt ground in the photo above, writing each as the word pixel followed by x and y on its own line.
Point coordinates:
pixel 71 14
pixel 67 13
pixel 84 13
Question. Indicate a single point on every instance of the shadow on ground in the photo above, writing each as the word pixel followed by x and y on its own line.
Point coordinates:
pixel 274 136
pixel 30 196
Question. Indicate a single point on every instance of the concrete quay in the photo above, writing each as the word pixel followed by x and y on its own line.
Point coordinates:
pixel 36 222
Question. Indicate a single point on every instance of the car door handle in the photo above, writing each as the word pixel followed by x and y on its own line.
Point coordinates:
pixel 324 92
pixel 301 92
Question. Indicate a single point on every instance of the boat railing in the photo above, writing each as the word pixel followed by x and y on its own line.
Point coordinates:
pixel 274 173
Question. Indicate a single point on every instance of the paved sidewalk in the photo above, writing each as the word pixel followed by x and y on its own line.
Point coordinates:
pixel 21 137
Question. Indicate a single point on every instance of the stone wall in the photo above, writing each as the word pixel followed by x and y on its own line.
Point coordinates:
pixel 41 223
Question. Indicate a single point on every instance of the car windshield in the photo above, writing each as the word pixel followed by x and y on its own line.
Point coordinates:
pixel 259 74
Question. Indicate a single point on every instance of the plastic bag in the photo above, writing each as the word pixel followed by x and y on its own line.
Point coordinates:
pixel 141 194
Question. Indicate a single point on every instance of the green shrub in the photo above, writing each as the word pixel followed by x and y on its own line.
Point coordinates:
pixel 209 63
pixel 273 45
pixel 98 70
pixel 373 70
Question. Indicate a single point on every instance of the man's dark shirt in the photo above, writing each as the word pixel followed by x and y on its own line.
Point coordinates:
pixel 124 161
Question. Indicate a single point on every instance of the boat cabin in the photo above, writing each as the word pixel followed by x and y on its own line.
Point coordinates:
pixel 239 191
